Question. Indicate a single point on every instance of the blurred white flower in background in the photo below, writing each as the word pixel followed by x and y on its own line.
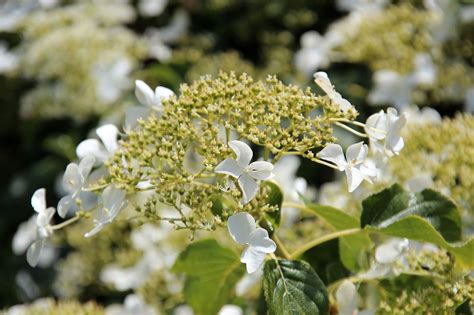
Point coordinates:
pixel 389 259
pixel 314 53
pixel 160 39
pixel 347 300
pixel 133 305
pixel 361 5
pixel 112 79
pixel 151 8
pixel 157 255
pixel 393 88
pixel 8 60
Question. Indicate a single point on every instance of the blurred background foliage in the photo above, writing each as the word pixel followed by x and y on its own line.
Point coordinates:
pixel 69 56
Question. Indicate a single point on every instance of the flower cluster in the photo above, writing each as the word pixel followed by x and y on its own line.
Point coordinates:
pixel 182 152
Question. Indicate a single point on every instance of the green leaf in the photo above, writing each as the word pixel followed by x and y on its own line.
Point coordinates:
pixel 275 198
pixel 211 274
pixel 352 249
pixel 394 203
pixel 222 203
pixel 419 229
pixel 464 308
pixel 292 287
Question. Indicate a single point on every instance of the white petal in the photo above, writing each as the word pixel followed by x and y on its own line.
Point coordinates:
pixel 242 151
pixel 34 252
pixel 344 104
pixel 65 203
pixel 260 170
pixel 241 225
pixel 113 200
pixel 108 134
pixel 85 167
pixel 376 126
pixel 252 258
pixel 144 93
pixel 356 153
pixel 354 178
pixel 45 217
pixel 229 167
pixel 38 200
pixel 347 298
pixel 133 114
pixel 333 153
pixel 260 241
pixel 72 178
pixel 161 94
pixel 322 80
pixel 229 309
pixel 249 187
pixel 92 147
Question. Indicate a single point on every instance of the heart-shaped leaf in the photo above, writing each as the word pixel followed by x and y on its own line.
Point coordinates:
pixel 293 287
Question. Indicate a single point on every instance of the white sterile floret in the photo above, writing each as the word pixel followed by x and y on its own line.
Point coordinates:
pixel 386 127
pixel 322 80
pixel 356 166
pixel 150 101
pixel 113 201
pixel 246 173
pixel 243 230
pixel 133 305
pixel 74 180
pixel 38 202
pixel 103 149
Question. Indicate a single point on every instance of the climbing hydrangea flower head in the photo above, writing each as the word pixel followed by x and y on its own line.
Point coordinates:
pixel 243 229
pixel 246 173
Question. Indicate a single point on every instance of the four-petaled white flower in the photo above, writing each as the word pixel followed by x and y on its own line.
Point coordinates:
pixel 356 166
pixel 113 201
pixel 43 226
pixel 246 173
pixel 101 151
pixel 321 78
pixel 243 230
pixel 151 101
pixel 384 131
pixel 74 180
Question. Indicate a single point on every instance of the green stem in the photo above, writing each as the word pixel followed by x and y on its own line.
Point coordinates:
pixel 281 248
pixel 301 250
pixel 65 223
pixel 360 134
